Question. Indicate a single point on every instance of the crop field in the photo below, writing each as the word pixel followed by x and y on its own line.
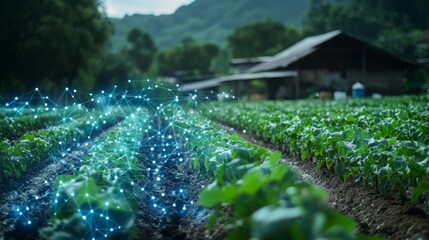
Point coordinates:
pixel 158 163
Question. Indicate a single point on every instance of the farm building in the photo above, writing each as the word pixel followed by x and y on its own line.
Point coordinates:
pixel 329 62
pixel 334 61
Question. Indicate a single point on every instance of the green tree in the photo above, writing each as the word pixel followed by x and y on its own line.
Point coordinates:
pixel 115 69
pixel 190 56
pixel 59 41
pixel 394 25
pixel 221 63
pixel 141 50
pixel 261 39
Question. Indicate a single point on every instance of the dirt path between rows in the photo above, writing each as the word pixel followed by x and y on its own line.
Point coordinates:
pixel 25 202
pixel 387 217
pixel 169 189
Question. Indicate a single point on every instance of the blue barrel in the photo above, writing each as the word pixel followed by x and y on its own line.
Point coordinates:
pixel 358 90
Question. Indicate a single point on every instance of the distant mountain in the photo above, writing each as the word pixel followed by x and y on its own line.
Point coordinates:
pixel 208 20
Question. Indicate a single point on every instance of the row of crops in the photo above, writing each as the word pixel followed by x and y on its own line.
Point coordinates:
pixel 30 147
pixel 98 201
pixel 380 143
pixel 252 195
pixel 265 199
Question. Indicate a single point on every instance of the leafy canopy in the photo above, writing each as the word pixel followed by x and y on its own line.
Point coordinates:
pixel 59 41
pixel 262 39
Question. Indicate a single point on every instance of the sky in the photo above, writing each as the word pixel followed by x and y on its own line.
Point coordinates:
pixel 118 8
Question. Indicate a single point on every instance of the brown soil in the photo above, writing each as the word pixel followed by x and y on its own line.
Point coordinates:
pixel 376 215
pixel 174 213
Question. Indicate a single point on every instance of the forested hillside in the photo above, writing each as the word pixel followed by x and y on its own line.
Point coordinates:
pixel 208 20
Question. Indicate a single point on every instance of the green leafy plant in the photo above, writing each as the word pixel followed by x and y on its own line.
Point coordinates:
pixel 380 143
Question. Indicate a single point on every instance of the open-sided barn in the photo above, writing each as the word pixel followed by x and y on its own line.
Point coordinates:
pixel 329 62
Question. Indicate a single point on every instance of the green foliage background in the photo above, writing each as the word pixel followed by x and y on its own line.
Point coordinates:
pixel 55 43
pixel 52 44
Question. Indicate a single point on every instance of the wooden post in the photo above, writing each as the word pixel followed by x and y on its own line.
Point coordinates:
pixel 297 82
pixel 364 67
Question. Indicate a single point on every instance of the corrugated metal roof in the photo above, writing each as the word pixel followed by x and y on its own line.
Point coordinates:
pixel 200 85
pixel 236 61
pixel 295 52
pixel 238 77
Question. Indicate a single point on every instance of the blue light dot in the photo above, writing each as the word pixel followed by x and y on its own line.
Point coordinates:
pixel 153 197
pixel 29 222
